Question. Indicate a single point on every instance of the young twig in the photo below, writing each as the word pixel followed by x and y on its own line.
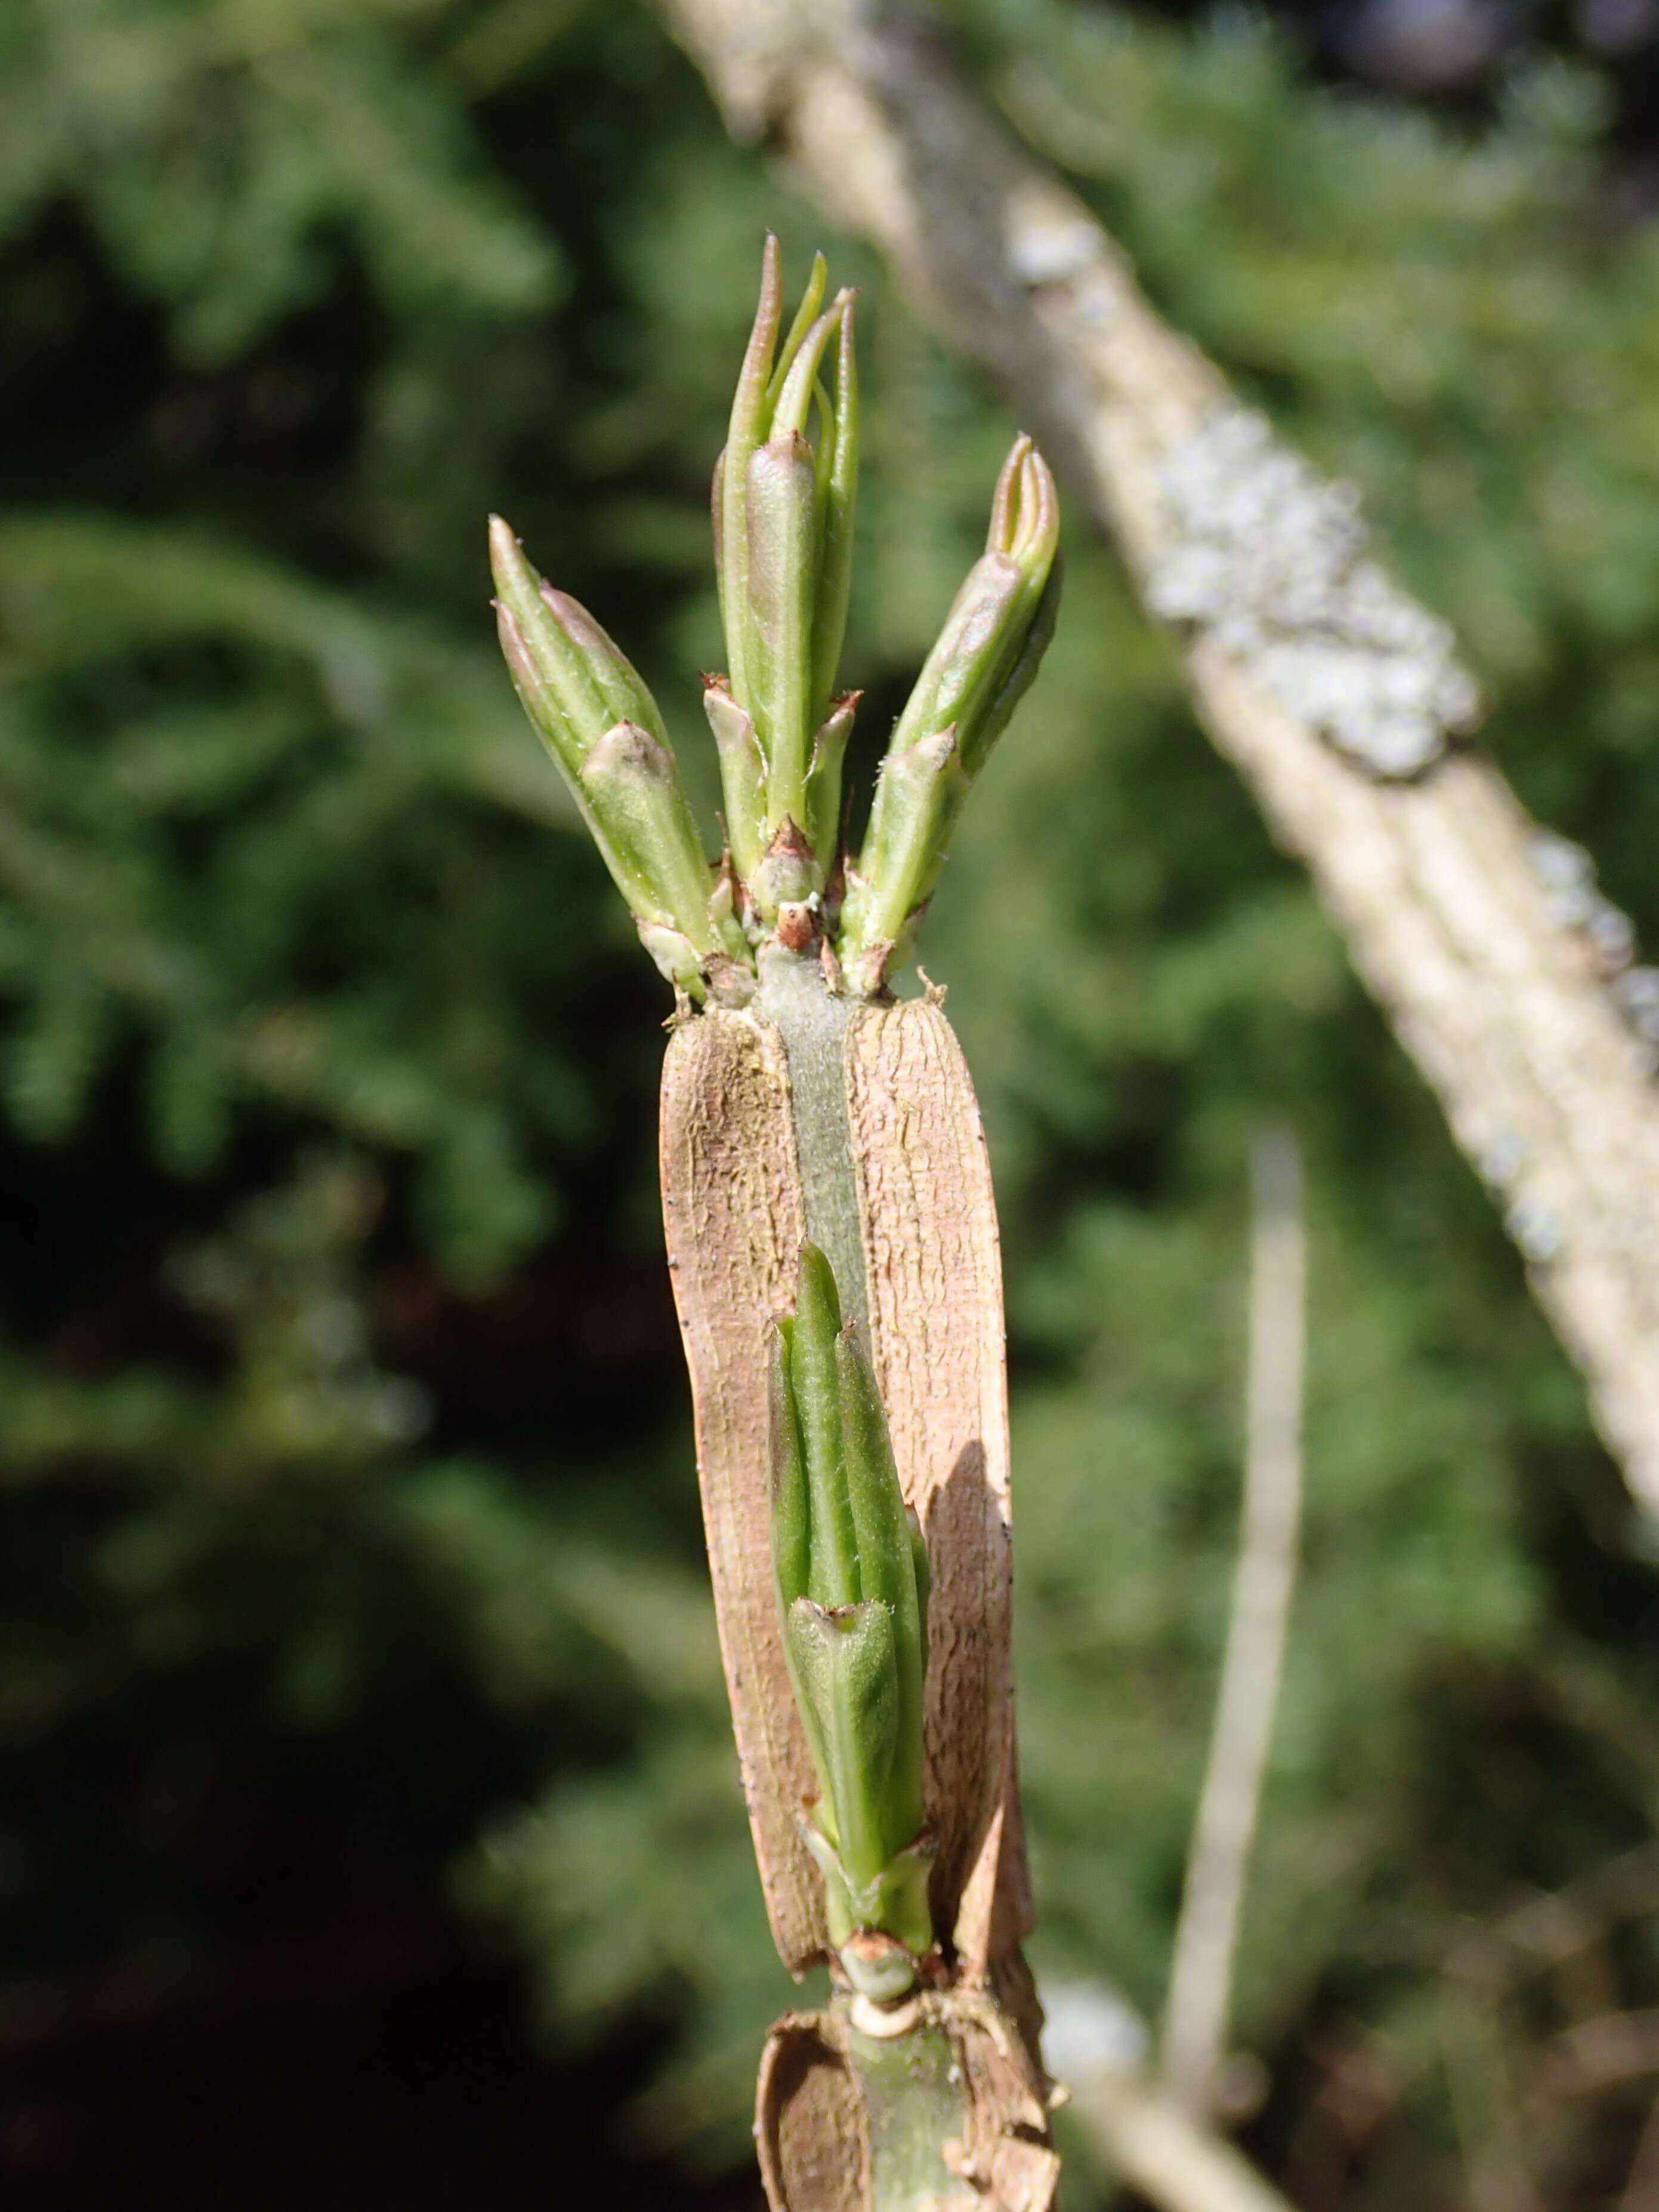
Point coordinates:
pixel 1164 2154
pixel 1450 907
pixel 1156 2147
pixel 1200 1982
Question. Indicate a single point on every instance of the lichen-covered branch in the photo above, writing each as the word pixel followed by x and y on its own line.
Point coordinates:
pixel 1338 699
pixel 1201 1974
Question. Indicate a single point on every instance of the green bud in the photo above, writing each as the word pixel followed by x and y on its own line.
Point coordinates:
pixel 635 793
pixel 919 797
pixel 837 491
pixel 806 315
pixel 782 515
pixel 783 511
pixel 846 1553
pixel 743 775
pixel 980 646
pixel 574 680
pixel 980 667
pixel 747 429
pixel 602 726
pixel 823 824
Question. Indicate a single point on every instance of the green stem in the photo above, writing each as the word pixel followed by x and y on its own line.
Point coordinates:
pixel 915 2102
pixel 812 1023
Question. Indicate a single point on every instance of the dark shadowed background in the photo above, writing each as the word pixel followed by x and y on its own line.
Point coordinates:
pixel 369 1829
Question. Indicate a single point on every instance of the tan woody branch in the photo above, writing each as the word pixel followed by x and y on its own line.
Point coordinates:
pixel 1336 697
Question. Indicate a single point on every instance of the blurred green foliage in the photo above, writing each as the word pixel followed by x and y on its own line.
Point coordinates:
pixel 344 1460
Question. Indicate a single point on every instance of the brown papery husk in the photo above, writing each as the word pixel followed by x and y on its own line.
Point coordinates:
pixel 735 1217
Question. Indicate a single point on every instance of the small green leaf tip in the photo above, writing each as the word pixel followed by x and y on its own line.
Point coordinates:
pixel 784 498
pixel 982 664
pixel 593 711
pixel 852 1593
pixel 783 509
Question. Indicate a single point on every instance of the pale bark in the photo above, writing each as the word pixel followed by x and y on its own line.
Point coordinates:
pixel 1164 2154
pixel 1206 1936
pixel 1333 696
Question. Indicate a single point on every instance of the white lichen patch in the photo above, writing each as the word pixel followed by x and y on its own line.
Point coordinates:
pixel 1574 900
pixel 1638 993
pixel 1536 1230
pixel 1269 559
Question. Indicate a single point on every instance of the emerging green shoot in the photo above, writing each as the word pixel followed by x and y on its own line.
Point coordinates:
pixel 783 547
pixel 986 656
pixel 852 1585
pixel 784 495
pixel 601 725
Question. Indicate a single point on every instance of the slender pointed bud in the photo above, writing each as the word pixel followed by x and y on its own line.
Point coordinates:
pixel 845 1553
pixel 984 660
pixel 783 511
pixel 837 494
pixel 992 616
pixel 743 776
pixel 886 1568
pixel 574 679
pixel 834 1574
pixel 749 425
pixel 649 837
pixel 787 875
pixel 626 696
pixel 806 315
pixel 794 399
pixel 788 493
pixel 549 671
pixel 824 778
pixel 918 801
pixel 792 1518
pixel 782 529
pixel 597 718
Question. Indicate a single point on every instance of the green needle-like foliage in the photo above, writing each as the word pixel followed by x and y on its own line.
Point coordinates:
pixel 852 1584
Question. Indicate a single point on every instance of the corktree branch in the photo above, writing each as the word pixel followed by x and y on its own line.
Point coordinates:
pixel 1335 698
pixel 1206 1936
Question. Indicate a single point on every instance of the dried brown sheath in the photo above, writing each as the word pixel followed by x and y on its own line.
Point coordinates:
pixel 734 1221
pixel 735 1213
pixel 734 1217
pixel 933 1269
